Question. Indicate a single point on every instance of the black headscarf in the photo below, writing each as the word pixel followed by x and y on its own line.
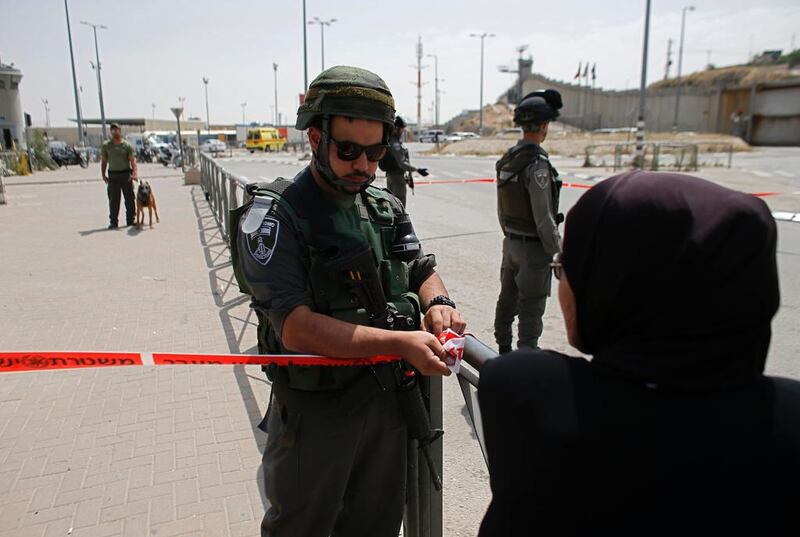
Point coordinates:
pixel 675 279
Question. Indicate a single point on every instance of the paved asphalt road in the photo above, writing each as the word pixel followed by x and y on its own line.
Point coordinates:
pixel 458 223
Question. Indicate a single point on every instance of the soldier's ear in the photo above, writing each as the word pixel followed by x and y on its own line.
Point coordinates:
pixel 314 137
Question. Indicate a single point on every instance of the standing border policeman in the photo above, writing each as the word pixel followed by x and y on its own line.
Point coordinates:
pixel 119 170
pixel 527 207
pixel 334 268
pixel 396 163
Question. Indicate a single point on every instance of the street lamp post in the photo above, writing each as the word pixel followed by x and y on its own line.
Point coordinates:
pixel 482 36
pixel 99 78
pixel 74 77
pixel 244 107
pixel 178 111
pixel 46 112
pixel 275 69
pixel 153 110
pixel 322 25
pixel 305 51
pixel 435 86
pixel 639 162
pixel 680 67
pixel 208 118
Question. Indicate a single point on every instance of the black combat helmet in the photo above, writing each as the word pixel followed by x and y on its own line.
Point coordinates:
pixel 350 92
pixel 538 107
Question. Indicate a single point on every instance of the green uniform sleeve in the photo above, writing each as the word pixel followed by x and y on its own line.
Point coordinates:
pixel 104 151
pixel 129 150
pixel 539 185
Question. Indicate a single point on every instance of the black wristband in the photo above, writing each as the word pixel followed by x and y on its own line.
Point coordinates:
pixel 441 300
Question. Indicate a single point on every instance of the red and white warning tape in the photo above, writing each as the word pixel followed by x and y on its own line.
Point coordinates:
pixel 41 361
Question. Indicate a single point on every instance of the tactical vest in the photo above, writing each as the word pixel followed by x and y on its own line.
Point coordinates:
pixel 370 219
pixel 513 198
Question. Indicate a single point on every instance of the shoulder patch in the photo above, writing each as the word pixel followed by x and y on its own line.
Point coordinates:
pixel 542 176
pixel 261 243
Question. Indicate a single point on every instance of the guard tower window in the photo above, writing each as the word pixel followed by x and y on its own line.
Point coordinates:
pixel 14 85
pixel 2 84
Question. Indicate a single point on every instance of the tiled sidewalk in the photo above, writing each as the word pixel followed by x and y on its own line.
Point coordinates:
pixel 135 451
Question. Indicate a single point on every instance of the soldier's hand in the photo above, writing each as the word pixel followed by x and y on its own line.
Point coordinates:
pixel 439 318
pixel 423 351
pixel 423 172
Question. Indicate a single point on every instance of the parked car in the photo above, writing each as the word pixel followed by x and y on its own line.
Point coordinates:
pixel 213 146
pixel 466 135
pixel 453 137
pixel 432 135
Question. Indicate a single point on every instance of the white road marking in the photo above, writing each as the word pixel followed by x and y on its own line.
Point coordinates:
pixel 778 215
pixel 469 173
pixel 760 173
pixel 451 175
pixel 785 174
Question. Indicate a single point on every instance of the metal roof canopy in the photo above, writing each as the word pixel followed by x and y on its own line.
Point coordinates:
pixel 131 122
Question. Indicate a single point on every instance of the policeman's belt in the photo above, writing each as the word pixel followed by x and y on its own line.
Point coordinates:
pixel 522 238
pixel 42 361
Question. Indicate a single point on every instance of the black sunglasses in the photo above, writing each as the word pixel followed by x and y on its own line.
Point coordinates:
pixel 556 265
pixel 350 151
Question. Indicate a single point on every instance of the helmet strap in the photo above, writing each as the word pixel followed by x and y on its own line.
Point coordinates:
pixel 323 162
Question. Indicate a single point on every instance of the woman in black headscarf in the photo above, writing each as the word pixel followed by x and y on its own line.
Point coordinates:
pixel 670 283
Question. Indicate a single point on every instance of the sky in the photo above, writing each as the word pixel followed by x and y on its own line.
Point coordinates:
pixel 154 52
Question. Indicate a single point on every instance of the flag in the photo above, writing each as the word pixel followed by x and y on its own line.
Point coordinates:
pixel 578 74
pixel 594 75
pixel 586 70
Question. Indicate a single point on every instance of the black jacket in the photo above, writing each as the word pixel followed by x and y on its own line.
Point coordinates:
pixel 577 449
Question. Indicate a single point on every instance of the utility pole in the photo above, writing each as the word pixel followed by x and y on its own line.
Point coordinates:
pixel 680 67
pixel 46 112
pixel 99 79
pixel 482 37
pixel 639 161
pixel 435 87
pixel 74 78
pixel 208 118
pixel 322 25
pixel 669 59
pixel 244 107
pixel 275 69
pixel 419 83
pixel 153 107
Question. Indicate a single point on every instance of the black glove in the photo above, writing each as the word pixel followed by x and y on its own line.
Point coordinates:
pixel 423 172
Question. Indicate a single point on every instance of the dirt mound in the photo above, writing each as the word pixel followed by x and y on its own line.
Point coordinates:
pixel 740 75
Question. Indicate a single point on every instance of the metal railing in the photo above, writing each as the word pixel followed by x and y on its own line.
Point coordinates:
pixel 225 191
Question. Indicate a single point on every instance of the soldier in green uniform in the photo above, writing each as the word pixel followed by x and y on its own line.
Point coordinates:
pixel 527 206
pixel 314 253
pixel 119 171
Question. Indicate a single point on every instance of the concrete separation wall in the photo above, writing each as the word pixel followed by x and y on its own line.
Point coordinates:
pixel 770 110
